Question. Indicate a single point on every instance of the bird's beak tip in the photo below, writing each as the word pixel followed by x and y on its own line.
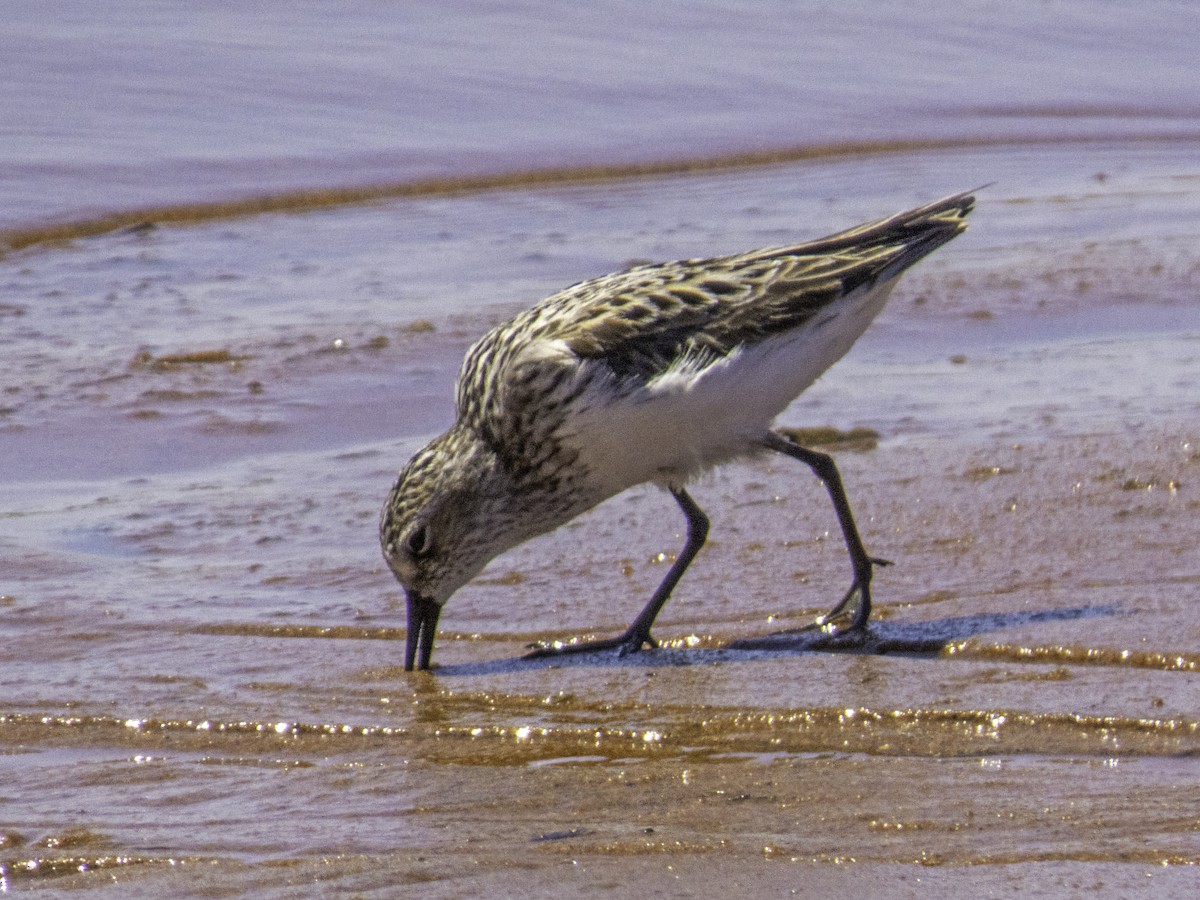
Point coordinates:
pixel 423 614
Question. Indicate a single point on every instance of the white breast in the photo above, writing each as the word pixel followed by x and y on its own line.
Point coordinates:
pixel 693 417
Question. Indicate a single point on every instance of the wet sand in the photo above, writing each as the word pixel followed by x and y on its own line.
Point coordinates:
pixel 1023 716
pixel 202 656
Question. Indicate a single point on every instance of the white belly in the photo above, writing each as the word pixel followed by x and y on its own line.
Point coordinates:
pixel 689 419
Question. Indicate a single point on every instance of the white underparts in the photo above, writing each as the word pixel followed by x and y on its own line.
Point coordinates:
pixel 704 411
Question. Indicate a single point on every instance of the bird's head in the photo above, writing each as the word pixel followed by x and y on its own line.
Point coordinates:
pixel 447 516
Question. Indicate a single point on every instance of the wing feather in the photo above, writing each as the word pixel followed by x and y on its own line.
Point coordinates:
pixel 638 323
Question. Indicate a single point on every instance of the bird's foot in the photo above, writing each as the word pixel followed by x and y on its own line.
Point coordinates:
pixel 629 642
pixel 841 623
pixel 850 615
pixel 855 605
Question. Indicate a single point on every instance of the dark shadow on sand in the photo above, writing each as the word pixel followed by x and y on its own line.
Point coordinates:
pixel 914 639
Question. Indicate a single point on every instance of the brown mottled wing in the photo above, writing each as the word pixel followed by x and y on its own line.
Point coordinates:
pixel 641 321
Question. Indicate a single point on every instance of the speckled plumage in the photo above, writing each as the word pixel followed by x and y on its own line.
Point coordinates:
pixel 652 374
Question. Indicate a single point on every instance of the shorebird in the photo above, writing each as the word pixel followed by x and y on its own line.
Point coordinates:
pixel 654 374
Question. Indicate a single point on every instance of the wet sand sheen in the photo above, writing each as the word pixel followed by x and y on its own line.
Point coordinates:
pixel 1026 700
pixel 642 760
pixel 470 735
pixel 200 683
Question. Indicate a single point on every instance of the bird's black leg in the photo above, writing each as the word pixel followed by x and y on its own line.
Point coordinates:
pixel 858 598
pixel 637 634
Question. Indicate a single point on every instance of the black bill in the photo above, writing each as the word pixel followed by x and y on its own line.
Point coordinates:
pixel 422 625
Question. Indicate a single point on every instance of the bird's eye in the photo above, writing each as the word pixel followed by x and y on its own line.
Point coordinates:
pixel 417 543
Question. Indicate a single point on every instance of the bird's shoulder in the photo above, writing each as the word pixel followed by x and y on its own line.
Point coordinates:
pixel 641 322
pixel 637 322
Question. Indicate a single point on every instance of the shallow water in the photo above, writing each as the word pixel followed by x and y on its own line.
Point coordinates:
pixel 136 106
pixel 200 678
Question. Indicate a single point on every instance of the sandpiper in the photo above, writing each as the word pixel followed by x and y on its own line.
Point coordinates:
pixel 654 374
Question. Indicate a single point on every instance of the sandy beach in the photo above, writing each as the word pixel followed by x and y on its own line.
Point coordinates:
pixel 201 682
